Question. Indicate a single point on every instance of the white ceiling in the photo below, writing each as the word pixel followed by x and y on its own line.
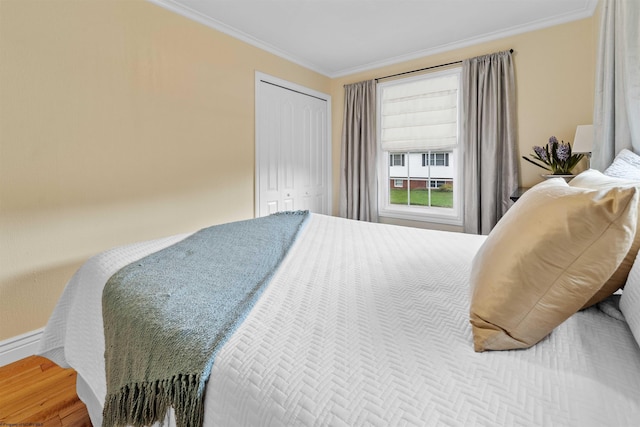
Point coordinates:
pixel 340 37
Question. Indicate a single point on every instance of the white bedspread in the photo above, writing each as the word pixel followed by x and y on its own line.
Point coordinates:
pixel 367 324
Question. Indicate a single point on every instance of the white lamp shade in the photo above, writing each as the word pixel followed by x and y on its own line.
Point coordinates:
pixel 583 141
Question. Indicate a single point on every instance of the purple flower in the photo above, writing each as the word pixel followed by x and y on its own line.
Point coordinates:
pixel 563 152
pixel 541 152
pixel 553 140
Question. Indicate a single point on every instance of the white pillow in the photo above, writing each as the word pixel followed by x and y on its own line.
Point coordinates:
pixel 630 300
pixel 625 165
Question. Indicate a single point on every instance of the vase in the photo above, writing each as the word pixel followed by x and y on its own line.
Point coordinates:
pixel 565 177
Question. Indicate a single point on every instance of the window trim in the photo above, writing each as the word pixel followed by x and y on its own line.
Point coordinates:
pixel 430 214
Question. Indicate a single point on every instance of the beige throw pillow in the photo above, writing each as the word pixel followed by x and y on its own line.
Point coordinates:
pixel 549 254
pixel 596 180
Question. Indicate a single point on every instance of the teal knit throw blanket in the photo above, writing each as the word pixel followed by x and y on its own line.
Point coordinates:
pixel 167 315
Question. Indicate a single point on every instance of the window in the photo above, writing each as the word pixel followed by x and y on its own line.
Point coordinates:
pixel 396 160
pixel 435 159
pixel 418 134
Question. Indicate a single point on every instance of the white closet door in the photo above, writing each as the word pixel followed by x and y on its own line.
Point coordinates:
pixel 292 151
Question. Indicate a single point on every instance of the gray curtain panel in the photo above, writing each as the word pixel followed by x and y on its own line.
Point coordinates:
pixel 358 188
pixel 488 139
pixel 616 116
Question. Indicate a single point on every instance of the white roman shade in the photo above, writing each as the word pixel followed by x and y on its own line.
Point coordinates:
pixel 420 115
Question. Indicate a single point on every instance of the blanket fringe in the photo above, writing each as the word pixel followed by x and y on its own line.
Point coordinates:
pixel 299 212
pixel 142 404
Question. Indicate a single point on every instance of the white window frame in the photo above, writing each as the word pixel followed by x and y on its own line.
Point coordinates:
pixel 449 216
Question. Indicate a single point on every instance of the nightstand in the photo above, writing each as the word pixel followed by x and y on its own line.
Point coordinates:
pixel 518 193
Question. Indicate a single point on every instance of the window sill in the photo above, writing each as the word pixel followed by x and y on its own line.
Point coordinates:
pixel 435 215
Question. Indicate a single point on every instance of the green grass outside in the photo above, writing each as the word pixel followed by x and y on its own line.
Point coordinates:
pixel 420 197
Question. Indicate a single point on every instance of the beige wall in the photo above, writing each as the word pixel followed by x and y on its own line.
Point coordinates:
pixel 555 71
pixel 121 121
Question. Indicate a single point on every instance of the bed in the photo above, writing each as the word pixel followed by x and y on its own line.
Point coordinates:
pixel 368 324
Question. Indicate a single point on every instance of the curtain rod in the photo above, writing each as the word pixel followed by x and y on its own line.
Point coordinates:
pixel 422 69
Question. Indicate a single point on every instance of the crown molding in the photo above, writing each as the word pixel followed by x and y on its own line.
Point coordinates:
pixel 174 6
pixel 210 22
pixel 586 12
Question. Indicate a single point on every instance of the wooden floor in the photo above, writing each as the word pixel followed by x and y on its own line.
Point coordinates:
pixel 35 391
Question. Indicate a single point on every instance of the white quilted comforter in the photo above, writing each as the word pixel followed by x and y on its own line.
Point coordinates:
pixel 367 325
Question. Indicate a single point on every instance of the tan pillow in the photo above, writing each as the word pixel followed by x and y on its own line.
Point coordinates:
pixel 549 254
pixel 596 180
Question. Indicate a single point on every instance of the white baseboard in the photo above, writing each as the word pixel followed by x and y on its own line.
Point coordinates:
pixel 20 346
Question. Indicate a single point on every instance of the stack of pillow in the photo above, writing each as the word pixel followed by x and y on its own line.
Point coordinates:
pixel 560 248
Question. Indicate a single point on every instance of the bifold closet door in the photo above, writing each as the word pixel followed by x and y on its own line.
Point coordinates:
pixel 292 151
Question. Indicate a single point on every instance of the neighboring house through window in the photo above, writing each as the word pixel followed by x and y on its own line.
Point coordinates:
pixel 396 159
pixel 418 122
pixel 435 159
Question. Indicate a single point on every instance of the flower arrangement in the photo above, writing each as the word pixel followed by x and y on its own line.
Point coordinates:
pixel 555 157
